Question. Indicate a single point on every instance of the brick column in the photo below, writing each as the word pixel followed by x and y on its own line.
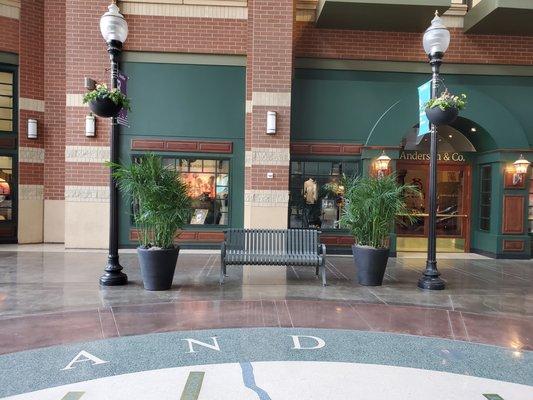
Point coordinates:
pixel 31 106
pixel 86 177
pixel 268 88
pixel 54 141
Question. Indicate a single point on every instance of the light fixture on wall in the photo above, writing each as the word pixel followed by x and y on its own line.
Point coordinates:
pixel 381 164
pixel 520 169
pixel 32 128
pixel 90 125
pixel 271 122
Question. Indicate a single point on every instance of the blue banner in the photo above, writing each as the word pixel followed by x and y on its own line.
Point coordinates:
pixel 122 84
pixel 424 95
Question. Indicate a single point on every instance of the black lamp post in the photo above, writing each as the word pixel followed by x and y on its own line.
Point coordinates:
pixel 114 29
pixel 436 42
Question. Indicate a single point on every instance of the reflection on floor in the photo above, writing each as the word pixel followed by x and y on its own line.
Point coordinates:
pixel 53 299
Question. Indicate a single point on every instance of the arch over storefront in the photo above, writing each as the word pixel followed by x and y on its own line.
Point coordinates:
pixel 496 126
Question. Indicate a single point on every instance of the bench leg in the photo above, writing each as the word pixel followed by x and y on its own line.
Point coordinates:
pixel 323 266
pixel 317 269
pixel 222 271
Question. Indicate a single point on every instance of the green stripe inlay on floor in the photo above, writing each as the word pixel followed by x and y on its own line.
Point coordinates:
pixel 73 396
pixel 193 386
pixel 493 397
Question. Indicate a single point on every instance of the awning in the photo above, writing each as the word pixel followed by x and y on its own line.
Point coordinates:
pixel 380 15
pixel 511 17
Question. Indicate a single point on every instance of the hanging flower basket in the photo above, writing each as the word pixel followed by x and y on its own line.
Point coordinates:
pixel 106 103
pixel 438 116
pixel 444 109
pixel 104 107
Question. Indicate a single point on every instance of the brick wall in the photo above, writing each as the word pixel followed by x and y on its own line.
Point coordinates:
pixel 404 46
pixel 186 35
pixel 31 85
pixel 54 95
pixel 9 32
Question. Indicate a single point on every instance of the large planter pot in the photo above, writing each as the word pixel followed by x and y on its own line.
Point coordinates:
pixel 104 107
pixel 371 263
pixel 157 267
pixel 441 117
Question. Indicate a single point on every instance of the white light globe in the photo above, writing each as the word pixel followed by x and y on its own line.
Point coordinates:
pixel 113 25
pixel 436 37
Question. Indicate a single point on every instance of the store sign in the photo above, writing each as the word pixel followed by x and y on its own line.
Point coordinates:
pixel 418 156
pixel 122 84
pixel 424 95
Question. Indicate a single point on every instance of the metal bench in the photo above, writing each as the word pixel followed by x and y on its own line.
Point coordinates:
pixel 273 247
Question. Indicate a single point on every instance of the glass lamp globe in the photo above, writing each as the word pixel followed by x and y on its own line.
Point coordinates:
pixel 382 162
pixel 521 165
pixel 113 25
pixel 436 37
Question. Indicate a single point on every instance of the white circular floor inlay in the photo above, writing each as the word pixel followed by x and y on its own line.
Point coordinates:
pixel 294 380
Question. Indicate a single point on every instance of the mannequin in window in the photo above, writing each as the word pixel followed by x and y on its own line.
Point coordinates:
pixel 310 191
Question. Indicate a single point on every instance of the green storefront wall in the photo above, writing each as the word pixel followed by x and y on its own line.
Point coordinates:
pixel 190 103
pixel 379 109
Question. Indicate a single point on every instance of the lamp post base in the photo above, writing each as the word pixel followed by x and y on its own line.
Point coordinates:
pixel 431 283
pixel 113 274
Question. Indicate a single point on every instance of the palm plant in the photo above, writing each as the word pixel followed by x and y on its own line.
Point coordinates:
pixel 372 207
pixel 160 198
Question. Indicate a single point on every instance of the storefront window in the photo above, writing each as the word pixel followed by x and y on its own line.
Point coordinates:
pixel 6 102
pixel 530 209
pixel 315 193
pixel 208 182
pixel 485 198
pixel 6 189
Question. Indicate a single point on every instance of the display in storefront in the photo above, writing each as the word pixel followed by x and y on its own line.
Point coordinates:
pixel 316 193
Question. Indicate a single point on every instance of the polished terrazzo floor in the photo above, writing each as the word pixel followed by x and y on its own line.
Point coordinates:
pixel 52 308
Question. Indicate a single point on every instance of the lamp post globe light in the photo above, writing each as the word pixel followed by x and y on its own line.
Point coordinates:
pixel 436 41
pixel 114 30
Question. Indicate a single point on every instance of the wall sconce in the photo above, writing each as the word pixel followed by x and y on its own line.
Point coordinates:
pixel 520 169
pixel 32 129
pixel 90 125
pixel 271 122
pixel 382 164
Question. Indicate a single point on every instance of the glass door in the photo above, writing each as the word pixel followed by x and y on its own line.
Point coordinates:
pixel 452 208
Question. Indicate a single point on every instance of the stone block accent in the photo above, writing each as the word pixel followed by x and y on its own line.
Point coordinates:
pixel 271 99
pixel 31 104
pixel 185 10
pixel 88 194
pixel 30 192
pixel 266 198
pixel 87 154
pixel 268 156
pixel 10 9
pixel 75 100
pixel 31 155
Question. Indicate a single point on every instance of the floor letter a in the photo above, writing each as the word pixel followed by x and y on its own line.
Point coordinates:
pixel 82 357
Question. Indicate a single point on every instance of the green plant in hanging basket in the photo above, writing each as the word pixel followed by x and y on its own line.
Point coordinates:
pixel 106 103
pixel 447 100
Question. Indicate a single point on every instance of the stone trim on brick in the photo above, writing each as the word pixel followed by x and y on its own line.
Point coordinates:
pixel 87 154
pixel 88 194
pixel 266 198
pixel 248 106
pixel 31 155
pixel 268 156
pixel 271 99
pixel 10 9
pixel 75 100
pixel 31 104
pixel 185 10
pixel 31 192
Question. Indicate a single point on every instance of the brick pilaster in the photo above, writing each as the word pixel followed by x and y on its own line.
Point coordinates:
pixel 268 88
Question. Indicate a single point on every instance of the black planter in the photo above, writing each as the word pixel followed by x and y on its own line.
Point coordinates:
pixel 371 264
pixel 442 117
pixel 157 267
pixel 104 107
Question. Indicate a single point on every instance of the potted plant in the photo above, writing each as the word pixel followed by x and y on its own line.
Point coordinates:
pixel 161 206
pixel 371 208
pixel 106 103
pixel 443 110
